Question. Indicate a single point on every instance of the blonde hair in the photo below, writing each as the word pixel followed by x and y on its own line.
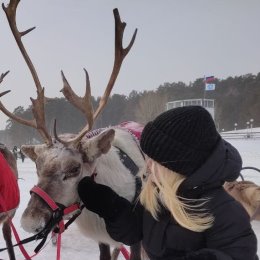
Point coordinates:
pixel 161 187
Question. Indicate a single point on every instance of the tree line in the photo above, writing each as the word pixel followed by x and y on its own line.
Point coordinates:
pixel 237 100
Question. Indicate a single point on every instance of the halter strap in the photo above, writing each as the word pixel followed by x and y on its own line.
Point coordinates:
pixel 45 197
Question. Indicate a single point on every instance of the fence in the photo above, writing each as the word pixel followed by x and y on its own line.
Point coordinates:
pixel 241 135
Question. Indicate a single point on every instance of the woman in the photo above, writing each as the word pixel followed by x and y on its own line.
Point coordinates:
pixel 183 212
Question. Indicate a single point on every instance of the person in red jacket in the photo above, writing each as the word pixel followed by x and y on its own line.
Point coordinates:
pixel 9 190
pixel 183 212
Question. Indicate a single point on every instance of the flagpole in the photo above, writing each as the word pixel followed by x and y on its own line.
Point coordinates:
pixel 204 93
pixel 207 87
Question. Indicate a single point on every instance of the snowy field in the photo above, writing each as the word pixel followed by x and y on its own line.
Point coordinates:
pixel 77 247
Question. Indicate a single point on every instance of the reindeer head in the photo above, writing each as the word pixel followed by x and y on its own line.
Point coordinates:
pixel 59 169
pixel 63 160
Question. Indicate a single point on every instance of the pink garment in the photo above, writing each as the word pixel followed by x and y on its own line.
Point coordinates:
pixel 133 127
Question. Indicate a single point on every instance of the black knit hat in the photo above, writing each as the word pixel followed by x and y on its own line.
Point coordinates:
pixel 181 139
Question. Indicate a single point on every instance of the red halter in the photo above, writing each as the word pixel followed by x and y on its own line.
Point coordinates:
pixel 41 193
pixel 58 213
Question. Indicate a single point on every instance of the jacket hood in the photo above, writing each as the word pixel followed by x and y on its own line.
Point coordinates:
pixel 224 164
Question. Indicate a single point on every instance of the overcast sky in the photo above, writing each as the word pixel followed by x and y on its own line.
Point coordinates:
pixel 176 41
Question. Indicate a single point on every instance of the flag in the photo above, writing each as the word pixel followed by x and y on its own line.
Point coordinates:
pixel 210 86
pixel 209 79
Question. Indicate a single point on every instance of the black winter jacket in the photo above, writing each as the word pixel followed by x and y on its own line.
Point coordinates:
pixel 230 238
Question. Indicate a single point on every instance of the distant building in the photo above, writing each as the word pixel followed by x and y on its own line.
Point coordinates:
pixel 209 104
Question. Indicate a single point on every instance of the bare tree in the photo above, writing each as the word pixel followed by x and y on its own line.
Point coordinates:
pixel 150 105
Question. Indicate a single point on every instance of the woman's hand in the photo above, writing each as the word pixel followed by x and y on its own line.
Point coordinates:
pixel 99 198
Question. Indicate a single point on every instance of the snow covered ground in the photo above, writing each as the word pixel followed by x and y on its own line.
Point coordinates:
pixel 77 247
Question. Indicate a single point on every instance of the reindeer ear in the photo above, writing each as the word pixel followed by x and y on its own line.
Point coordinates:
pixel 105 139
pixel 94 147
pixel 33 151
pixel 29 150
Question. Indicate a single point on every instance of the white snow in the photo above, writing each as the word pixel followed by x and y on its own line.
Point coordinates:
pixel 77 247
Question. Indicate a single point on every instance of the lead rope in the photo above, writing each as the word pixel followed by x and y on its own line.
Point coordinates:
pixel 62 228
pixel 125 252
pixel 58 220
pixel 22 249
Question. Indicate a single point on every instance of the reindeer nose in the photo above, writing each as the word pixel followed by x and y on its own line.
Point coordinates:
pixel 37 230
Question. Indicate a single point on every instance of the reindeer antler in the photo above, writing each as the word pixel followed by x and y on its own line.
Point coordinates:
pixel 3 76
pixel 37 104
pixel 84 103
pixel 1 80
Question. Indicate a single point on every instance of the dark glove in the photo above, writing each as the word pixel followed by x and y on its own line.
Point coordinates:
pixel 100 199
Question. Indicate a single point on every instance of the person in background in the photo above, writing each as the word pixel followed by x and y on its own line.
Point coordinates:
pixel 15 151
pixel 183 212
pixel 22 156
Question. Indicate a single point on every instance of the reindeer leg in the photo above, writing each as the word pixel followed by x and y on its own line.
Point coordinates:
pixel 8 240
pixel 135 251
pixel 115 253
pixel 104 251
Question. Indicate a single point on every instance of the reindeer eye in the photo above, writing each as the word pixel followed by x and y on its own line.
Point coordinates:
pixel 75 169
pixel 72 172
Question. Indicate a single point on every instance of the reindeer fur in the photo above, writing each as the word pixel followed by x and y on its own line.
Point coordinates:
pixel 248 194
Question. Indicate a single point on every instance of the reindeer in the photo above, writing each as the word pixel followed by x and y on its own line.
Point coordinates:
pixel 248 194
pixel 63 160
pixel 6 216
